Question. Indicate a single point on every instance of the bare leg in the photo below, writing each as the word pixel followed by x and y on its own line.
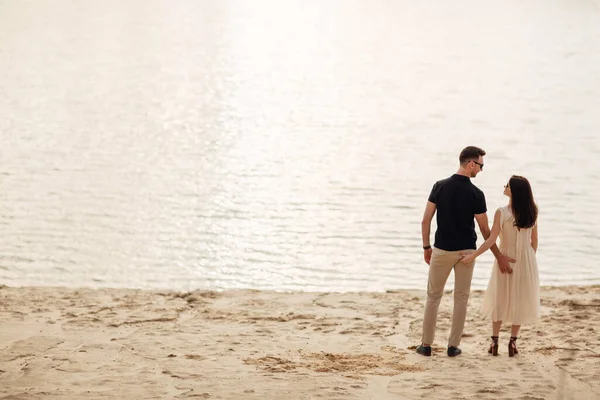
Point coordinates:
pixel 512 345
pixel 514 330
pixel 496 325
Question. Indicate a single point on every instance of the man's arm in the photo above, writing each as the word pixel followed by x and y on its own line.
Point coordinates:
pixel 426 230
pixel 503 261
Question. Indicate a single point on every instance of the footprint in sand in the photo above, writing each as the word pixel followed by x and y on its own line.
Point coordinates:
pixel 34 345
pixel 487 378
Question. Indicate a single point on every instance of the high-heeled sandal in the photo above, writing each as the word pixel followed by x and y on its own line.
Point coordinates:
pixel 494 346
pixel 512 346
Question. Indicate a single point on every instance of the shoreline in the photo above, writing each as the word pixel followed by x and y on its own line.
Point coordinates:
pixel 448 289
pixel 249 344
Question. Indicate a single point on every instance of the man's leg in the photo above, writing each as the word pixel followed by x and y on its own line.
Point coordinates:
pixel 463 273
pixel 439 269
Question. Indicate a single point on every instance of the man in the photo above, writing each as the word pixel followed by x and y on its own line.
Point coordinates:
pixel 457 202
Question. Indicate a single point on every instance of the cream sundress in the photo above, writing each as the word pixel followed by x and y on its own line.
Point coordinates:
pixel 514 298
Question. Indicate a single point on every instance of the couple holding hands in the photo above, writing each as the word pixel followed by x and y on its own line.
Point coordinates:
pixel 513 292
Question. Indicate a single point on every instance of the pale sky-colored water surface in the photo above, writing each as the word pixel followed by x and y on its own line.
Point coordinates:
pixel 287 145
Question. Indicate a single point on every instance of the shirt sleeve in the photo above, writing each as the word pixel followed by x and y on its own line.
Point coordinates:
pixel 433 194
pixel 480 206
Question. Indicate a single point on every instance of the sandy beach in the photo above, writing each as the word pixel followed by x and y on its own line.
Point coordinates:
pixel 113 343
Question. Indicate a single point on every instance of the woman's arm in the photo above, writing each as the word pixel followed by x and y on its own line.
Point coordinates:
pixel 491 240
pixel 534 238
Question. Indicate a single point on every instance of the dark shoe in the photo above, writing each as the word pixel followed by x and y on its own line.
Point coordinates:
pixel 453 351
pixel 494 346
pixel 424 350
pixel 512 347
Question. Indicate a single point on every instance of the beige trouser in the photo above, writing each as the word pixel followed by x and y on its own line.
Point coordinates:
pixel 442 262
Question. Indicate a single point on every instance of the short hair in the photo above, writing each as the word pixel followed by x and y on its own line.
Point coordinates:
pixel 470 153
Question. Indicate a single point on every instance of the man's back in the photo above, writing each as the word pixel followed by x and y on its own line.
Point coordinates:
pixel 457 201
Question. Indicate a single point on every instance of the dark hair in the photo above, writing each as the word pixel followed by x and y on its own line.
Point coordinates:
pixel 524 208
pixel 470 153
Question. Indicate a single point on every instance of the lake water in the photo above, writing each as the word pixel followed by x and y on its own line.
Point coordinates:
pixel 287 145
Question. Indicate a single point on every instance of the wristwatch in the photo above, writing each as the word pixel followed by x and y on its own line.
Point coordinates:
pixel 426 247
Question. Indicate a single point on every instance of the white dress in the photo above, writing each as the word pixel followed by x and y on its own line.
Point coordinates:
pixel 514 298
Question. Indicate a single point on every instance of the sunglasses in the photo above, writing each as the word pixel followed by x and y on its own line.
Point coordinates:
pixel 480 165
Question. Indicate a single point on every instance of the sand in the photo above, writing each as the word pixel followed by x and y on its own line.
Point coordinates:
pixel 58 343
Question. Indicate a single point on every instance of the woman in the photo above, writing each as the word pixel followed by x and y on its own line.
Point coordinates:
pixel 513 297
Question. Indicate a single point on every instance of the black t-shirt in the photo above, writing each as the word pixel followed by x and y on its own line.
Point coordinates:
pixel 457 201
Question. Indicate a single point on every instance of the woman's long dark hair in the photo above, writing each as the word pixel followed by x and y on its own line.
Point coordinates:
pixel 524 208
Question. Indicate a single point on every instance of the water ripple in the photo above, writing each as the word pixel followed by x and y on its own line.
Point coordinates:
pixel 180 154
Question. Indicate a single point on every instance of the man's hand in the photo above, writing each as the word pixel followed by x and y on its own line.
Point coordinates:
pixel 504 263
pixel 427 255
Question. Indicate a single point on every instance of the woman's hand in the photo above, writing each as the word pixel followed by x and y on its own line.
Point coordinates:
pixel 467 259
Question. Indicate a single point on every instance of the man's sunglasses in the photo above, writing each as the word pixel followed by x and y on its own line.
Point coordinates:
pixel 480 165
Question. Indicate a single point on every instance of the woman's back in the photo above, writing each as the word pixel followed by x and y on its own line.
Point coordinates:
pixel 514 297
pixel 513 241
